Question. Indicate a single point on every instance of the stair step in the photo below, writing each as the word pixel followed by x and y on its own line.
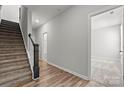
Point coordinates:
pixel 13 72
pixel 4 42
pixel 4 23
pixel 10 68
pixel 11 41
pixel 13 64
pixel 12 46
pixel 8 22
pixel 9 31
pixel 10 37
pixel 7 40
pixel 13 51
pixel 15 76
pixel 12 57
pixel 12 54
pixel 10 25
pixel 9 28
pixel 13 60
pixel 11 34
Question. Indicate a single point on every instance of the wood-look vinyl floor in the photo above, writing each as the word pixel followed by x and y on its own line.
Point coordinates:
pixel 51 76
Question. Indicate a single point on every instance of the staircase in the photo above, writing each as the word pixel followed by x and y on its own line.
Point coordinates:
pixel 14 66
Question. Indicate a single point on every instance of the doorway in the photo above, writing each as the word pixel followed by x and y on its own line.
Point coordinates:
pixel 44 46
pixel 107 47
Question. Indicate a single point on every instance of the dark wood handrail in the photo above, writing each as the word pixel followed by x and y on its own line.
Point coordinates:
pixel 36 58
pixel 31 38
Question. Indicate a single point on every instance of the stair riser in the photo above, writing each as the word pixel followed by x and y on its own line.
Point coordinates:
pixel 5 52
pixel 11 47
pixel 9 25
pixel 12 54
pixel 13 68
pixel 13 61
pixel 7 28
pixel 10 37
pixel 11 42
pixel 13 64
pixel 8 22
pixel 13 57
pixel 3 33
pixel 9 31
pixel 19 44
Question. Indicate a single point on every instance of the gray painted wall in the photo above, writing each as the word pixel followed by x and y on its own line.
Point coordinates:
pixel 68 38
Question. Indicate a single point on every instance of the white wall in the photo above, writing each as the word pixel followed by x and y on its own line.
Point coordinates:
pixel 24 23
pixel 10 12
pixel 26 28
pixel 0 12
pixel 68 39
pixel 106 43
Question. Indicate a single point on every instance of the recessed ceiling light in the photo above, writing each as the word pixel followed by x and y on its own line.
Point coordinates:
pixel 37 21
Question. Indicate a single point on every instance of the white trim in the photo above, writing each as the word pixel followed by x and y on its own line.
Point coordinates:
pixel 123 50
pixel 89 32
pixel 69 71
pixel 25 46
pixel 43 44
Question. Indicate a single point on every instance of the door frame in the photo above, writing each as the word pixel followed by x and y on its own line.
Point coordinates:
pixel 89 32
pixel 43 44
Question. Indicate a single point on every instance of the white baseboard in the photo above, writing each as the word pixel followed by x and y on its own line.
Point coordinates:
pixel 69 71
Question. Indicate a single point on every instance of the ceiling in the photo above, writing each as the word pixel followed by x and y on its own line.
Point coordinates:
pixel 105 19
pixel 43 13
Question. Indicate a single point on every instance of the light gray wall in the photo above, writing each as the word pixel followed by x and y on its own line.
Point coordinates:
pixel 68 39
pixel 106 43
